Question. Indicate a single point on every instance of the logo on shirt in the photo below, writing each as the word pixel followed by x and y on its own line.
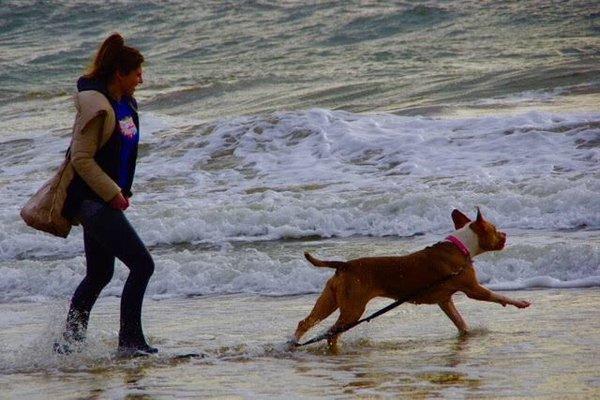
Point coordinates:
pixel 128 128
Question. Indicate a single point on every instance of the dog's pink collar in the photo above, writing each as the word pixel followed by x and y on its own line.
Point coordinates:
pixel 458 243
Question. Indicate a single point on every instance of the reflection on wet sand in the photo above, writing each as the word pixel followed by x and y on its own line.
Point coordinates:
pixel 413 352
pixel 364 371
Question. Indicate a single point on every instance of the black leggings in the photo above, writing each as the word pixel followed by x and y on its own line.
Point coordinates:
pixel 107 234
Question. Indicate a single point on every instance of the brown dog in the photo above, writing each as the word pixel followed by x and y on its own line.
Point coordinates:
pixel 433 274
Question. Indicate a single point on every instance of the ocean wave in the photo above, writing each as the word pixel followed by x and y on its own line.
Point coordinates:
pixel 382 24
pixel 278 268
pixel 332 174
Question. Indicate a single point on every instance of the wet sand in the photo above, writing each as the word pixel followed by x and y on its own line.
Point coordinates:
pixel 549 351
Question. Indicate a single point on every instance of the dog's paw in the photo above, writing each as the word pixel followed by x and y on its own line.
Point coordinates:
pixel 521 303
pixel 291 344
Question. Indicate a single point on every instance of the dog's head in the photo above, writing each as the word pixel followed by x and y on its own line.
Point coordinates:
pixel 489 237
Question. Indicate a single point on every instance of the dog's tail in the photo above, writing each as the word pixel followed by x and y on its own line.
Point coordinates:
pixel 329 264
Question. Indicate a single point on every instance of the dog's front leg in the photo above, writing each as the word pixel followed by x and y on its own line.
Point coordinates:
pixel 448 307
pixel 479 292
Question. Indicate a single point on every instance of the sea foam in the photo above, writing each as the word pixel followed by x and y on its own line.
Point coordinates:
pixel 328 174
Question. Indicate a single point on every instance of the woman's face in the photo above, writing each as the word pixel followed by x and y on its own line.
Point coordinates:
pixel 129 82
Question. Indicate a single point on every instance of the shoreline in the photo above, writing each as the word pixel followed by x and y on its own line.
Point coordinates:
pixel 549 350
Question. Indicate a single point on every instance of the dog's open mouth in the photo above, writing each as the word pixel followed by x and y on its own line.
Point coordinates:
pixel 502 243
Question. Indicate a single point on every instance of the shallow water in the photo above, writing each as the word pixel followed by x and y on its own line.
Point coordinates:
pixel 549 350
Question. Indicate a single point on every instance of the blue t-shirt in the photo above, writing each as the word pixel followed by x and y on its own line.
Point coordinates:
pixel 129 141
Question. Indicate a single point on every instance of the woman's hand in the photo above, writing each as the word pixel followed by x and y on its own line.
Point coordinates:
pixel 119 202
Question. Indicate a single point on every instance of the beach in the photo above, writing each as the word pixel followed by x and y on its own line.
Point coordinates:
pixel 549 351
pixel 344 128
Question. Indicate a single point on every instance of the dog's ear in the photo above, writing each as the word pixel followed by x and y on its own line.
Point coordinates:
pixel 459 219
pixel 479 216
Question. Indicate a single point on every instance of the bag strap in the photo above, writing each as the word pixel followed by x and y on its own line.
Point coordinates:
pixel 99 140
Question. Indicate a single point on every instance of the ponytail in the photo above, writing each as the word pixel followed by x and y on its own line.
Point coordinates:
pixel 113 56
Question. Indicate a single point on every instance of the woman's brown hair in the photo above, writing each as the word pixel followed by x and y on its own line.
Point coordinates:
pixel 114 56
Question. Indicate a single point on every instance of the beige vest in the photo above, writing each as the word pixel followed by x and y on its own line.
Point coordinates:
pixel 94 124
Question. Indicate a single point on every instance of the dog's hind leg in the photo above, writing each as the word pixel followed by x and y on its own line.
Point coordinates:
pixel 350 312
pixel 326 304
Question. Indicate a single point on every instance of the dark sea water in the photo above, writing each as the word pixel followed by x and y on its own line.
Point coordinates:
pixel 226 58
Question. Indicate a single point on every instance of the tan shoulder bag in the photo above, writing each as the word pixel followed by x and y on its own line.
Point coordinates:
pixel 43 211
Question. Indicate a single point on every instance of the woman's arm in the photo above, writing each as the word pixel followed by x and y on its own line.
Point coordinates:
pixel 83 149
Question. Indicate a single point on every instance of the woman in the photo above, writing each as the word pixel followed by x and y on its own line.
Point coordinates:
pixel 103 154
